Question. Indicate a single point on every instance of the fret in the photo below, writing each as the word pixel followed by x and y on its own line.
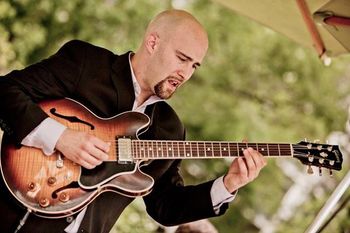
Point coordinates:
pixel 263 149
pixel 175 149
pixel 197 150
pixel 154 149
pixel 211 148
pixel 171 149
pixel 225 151
pixel 159 149
pixel 238 149
pixel 187 149
pixel 240 146
pixel 273 148
pixel 220 149
pixel 268 149
pixel 151 149
pixel 166 149
pixel 279 150
pixel 147 149
pixel 143 151
pixel 181 149
pixel 216 149
pixel 252 145
pixel 201 149
pixel 286 150
pixel 234 149
pixel 178 150
pixel 194 149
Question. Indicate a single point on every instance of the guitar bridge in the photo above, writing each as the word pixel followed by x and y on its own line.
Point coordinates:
pixel 124 151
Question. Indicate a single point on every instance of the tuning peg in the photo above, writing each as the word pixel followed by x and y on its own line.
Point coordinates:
pixel 309 170
pixel 330 172
pixel 310 158
pixel 320 171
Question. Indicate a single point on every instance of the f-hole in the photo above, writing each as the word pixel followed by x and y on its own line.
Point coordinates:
pixel 73 119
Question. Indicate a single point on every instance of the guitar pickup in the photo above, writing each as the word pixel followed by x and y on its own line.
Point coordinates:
pixel 124 151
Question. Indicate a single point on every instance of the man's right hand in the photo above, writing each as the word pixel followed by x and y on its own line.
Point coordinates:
pixel 83 148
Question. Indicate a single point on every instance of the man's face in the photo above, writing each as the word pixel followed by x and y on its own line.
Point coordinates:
pixel 174 60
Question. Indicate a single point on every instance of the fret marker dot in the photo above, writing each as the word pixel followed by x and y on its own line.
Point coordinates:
pixel 150 148
pixel 159 149
pixel 141 148
pixel 188 154
pixel 262 149
pixel 169 148
pixel 208 149
pixel 224 149
pixel 187 143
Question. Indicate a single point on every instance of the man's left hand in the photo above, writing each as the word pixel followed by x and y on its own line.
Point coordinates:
pixel 244 169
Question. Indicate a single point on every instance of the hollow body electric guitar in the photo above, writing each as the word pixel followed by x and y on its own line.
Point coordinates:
pixel 53 186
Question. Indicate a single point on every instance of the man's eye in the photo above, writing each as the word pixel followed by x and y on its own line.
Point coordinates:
pixel 181 59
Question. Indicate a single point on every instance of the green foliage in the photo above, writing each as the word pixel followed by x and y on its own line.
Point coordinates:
pixel 254 84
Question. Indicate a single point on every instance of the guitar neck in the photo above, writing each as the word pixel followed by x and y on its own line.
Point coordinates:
pixel 153 149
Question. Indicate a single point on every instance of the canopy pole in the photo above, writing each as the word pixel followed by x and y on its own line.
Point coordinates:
pixel 329 205
pixel 315 35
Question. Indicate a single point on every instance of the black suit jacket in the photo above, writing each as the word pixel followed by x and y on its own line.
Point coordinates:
pixel 101 81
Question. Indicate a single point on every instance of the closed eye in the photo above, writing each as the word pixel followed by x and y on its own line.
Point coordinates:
pixel 181 58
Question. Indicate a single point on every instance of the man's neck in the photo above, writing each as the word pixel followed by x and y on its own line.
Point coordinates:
pixel 138 74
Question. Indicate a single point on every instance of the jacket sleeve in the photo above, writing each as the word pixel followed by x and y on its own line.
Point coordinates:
pixel 21 90
pixel 171 203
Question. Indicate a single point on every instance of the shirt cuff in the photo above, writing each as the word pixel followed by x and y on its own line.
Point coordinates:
pixel 220 195
pixel 45 136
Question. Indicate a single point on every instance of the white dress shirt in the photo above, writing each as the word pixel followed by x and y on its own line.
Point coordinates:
pixel 47 133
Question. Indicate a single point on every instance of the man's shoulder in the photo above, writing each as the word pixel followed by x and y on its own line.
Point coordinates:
pixel 83 46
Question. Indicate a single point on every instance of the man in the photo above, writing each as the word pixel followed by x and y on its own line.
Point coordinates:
pixel 173 47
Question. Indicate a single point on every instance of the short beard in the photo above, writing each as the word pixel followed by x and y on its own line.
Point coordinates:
pixel 161 90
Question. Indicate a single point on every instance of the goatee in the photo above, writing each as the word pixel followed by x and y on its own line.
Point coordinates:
pixel 162 91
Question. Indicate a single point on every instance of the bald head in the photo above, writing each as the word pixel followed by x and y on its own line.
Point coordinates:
pixel 169 22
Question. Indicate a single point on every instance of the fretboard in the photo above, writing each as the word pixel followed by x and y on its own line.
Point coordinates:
pixel 152 149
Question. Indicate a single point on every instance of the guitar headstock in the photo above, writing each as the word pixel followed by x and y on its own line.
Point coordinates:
pixel 318 155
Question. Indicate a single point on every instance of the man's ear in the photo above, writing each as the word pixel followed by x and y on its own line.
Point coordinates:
pixel 152 42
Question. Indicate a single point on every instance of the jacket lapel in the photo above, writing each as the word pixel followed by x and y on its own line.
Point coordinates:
pixel 122 80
